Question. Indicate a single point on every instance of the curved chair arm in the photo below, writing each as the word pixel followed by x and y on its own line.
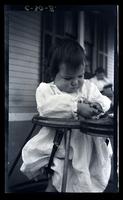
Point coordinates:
pixel 100 127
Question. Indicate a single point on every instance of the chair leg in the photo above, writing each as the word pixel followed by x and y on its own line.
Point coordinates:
pixel 67 148
pixel 57 140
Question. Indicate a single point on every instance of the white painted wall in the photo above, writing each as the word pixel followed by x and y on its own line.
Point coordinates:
pixel 24 63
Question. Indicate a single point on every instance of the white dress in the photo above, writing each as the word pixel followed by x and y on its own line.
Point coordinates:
pixel 89 159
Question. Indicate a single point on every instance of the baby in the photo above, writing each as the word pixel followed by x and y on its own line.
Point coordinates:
pixel 69 96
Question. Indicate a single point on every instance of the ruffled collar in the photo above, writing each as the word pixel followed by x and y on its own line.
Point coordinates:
pixel 76 95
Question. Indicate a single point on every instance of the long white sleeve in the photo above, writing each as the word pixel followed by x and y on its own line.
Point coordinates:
pixel 94 95
pixel 54 105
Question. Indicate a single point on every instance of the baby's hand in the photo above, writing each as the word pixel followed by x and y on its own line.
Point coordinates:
pixel 96 106
pixel 87 111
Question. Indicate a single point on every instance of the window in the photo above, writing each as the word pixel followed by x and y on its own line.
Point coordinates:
pixel 102 43
pixel 88 42
pixel 56 26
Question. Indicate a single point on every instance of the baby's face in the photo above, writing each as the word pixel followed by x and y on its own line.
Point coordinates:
pixel 68 80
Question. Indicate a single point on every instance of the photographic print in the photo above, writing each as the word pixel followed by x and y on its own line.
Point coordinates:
pixel 61 98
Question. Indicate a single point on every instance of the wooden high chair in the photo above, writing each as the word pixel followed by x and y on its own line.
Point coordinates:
pixel 102 127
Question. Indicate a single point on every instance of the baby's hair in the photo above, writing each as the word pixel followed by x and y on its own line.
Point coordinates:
pixel 69 52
